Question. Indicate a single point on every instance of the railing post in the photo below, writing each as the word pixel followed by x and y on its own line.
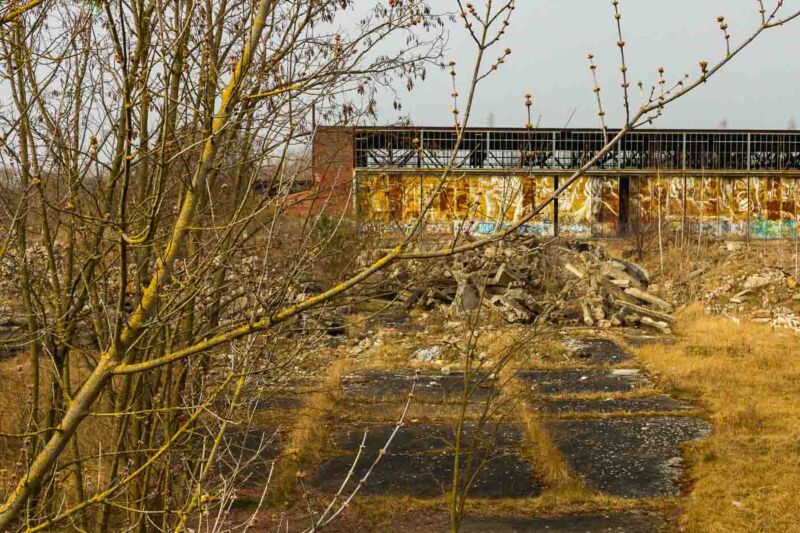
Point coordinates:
pixel 421 148
pixel 553 163
pixel 683 157
pixel 487 153
pixel 749 153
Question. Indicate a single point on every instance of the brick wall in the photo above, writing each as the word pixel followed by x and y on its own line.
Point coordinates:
pixel 332 171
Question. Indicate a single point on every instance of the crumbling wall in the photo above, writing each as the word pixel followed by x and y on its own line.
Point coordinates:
pixel 478 204
pixel 763 207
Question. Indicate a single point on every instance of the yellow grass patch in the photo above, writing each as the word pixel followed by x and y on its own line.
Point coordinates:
pixel 307 437
pixel 746 474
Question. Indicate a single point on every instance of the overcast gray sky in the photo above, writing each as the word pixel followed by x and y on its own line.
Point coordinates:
pixel 550 40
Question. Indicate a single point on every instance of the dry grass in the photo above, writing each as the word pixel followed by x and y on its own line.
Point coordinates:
pixel 746 474
pixel 16 398
pixel 540 448
pixel 14 372
pixel 382 511
pixel 305 442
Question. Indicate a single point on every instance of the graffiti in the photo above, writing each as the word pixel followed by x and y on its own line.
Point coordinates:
pixel 773 229
pixel 489 228
pixel 477 204
pixel 575 230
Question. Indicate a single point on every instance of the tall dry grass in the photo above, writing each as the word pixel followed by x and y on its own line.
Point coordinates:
pixel 746 474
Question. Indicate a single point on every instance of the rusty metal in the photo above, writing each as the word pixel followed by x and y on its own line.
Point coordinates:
pixel 544 149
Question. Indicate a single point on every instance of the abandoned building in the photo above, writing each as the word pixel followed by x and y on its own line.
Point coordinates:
pixel 715 182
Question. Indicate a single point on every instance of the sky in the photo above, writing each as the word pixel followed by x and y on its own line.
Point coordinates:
pixel 550 39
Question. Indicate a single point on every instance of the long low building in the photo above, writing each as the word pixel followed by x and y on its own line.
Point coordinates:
pixel 714 182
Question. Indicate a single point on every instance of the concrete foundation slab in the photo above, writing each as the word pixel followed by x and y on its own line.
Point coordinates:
pixel 658 403
pixel 596 351
pixel 583 381
pixel 429 476
pixel 431 387
pixel 247 455
pixel 628 457
pixel 420 438
pixel 419 462
pixel 632 522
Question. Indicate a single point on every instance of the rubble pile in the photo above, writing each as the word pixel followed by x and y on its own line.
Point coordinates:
pixel 570 284
pixel 769 296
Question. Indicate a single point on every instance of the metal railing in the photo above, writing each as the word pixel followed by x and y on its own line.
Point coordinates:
pixel 542 149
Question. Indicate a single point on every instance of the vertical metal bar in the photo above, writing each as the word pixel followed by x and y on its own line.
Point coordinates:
pixel 421 148
pixel 684 215
pixel 748 151
pixel 419 176
pixel 556 185
pixel 486 158
pixel 683 158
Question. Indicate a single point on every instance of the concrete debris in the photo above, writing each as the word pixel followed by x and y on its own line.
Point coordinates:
pixel 768 296
pixel 574 270
pixel 763 279
pixel 663 327
pixel 467 297
pixel 786 318
pixel 649 298
pixel 574 283
pixel 428 355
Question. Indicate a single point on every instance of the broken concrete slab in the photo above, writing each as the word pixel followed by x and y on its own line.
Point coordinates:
pixel 417 438
pixel 629 522
pixel 596 351
pixel 583 381
pixel 640 340
pixel 467 298
pixel 647 297
pixel 505 276
pixel 756 281
pixel 430 354
pixel 636 457
pixel 429 475
pixel 658 403
pixel 431 387
pixel 420 460
pixel 575 271
pixel 644 311
pixel 634 269
pixel 661 326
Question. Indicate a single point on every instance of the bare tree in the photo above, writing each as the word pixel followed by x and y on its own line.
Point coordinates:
pixel 157 288
pixel 133 143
